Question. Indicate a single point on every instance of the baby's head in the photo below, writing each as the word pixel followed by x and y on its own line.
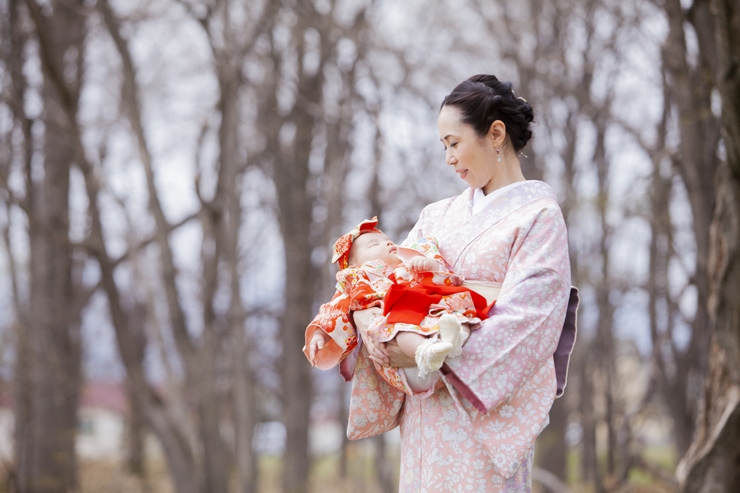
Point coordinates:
pixel 373 246
pixel 362 244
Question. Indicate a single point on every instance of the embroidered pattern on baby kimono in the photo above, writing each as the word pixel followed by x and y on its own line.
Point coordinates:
pixel 366 286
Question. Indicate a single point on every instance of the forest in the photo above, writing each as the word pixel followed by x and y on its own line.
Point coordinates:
pixel 173 174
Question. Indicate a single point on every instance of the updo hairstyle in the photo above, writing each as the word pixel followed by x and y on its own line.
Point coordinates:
pixel 483 99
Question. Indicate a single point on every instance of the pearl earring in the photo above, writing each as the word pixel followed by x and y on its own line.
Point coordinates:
pixel 498 153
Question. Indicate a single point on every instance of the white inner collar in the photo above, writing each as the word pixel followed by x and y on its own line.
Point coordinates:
pixel 480 200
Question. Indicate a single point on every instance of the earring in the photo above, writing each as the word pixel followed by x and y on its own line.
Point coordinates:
pixel 498 153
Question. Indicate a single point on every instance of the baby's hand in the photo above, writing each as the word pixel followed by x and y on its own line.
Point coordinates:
pixel 423 264
pixel 318 339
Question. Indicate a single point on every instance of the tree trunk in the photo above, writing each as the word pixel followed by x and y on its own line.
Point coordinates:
pixel 711 463
pixel 552 452
pixel 297 378
pixel 604 343
pixel 135 435
pixel 291 169
pixel 22 370
pixel 49 386
pixel 244 414
pixel 589 465
pixel 690 89
pixel 295 219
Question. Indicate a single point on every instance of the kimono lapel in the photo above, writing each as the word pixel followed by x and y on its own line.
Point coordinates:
pixel 460 228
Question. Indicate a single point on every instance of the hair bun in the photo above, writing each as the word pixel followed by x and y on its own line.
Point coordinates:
pixel 483 99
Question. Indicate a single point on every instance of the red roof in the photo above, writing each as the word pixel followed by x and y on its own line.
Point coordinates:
pixel 105 395
pixel 110 396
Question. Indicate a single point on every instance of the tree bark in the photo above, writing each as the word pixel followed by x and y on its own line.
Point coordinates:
pixel 22 377
pixel 295 222
pixel 551 449
pixel 589 465
pixel 690 89
pixel 711 463
pixel 46 433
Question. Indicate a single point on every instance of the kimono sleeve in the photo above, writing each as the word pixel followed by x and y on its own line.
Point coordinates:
pixel 332 319
pixel 429 247
pixel 522 331
pixel 418 232
pixel 375 406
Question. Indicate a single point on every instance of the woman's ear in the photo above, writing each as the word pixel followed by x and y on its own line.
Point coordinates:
pixel 497 132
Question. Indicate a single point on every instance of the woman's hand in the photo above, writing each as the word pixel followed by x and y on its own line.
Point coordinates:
pixel 362 319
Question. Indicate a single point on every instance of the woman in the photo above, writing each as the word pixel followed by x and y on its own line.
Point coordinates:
pixel 475 432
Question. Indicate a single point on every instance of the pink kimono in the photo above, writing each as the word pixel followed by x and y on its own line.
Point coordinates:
pixel 365 286
pixel 476 432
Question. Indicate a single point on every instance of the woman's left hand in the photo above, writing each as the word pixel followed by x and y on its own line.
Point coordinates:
pixel 362 319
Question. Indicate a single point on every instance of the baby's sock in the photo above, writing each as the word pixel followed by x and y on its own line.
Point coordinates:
pixel 450 330
pixel 431 354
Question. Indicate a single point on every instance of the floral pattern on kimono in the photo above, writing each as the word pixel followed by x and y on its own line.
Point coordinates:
pixel 364 287
pixel 448 445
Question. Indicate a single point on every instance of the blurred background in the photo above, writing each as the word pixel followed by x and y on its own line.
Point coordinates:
pixel 173 174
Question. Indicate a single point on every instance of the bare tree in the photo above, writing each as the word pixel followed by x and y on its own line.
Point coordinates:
pixel 711 462
pixel 224 332
pixel 318 117
pixel 48 370
pixel 690 89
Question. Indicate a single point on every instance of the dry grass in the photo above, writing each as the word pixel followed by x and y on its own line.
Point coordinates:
pixel 106 476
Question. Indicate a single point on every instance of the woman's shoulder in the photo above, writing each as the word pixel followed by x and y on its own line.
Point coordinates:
pixel 535 190
pixel 536 197
pixel 441 206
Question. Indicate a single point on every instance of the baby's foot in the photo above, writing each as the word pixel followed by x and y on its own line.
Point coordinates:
pixel 450 330
pixel 431 354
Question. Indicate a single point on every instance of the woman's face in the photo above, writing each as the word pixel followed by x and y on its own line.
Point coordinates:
pixel 473 157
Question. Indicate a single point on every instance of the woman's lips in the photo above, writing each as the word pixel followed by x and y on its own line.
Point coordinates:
pixel 463 173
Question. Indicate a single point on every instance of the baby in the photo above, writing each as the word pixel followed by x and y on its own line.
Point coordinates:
pixel 426 310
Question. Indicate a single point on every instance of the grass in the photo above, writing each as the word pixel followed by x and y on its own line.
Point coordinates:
pixel 639 480
pixel 106 476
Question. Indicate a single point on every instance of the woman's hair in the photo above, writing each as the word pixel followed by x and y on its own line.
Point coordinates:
pixel 483 99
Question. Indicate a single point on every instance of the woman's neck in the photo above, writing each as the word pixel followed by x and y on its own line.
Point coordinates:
pixel 510 173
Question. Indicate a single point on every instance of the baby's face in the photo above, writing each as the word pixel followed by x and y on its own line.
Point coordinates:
pixel 373 246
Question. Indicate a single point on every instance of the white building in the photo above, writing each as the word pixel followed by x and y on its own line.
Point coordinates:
pixel 102 414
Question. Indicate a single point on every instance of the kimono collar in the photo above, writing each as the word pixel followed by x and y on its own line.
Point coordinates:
pixel 456 237
pixel 481 200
